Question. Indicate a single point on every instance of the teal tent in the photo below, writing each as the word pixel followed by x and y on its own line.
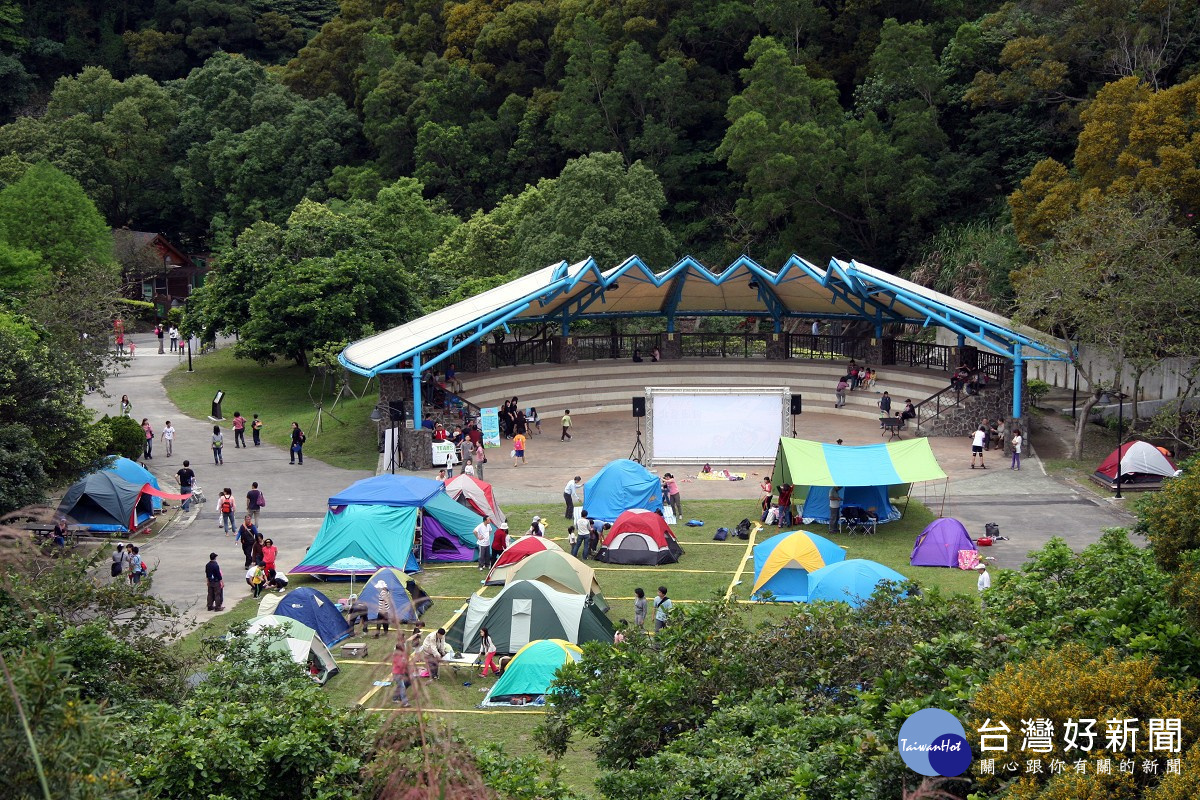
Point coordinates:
pixel 531 672
pixel 382 535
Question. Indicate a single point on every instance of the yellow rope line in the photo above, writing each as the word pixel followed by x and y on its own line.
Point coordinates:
pixel 737 576
pixel 455 710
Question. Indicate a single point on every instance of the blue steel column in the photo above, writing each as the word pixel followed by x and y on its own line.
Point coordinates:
pixel 1018 379
pixel 416 378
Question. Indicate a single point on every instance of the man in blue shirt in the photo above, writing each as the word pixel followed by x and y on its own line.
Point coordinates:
pixel 216 584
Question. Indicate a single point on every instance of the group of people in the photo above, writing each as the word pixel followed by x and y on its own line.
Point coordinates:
pixel 469 442
pixel 127 563
pixel 430 648
pixel 655 355
pixel 885 407
pixel 856 377
pixel 990 435
pixel 588 536
pixel 973 380
pixel 171 333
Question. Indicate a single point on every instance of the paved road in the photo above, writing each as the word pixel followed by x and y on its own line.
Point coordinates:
pixel 1029 506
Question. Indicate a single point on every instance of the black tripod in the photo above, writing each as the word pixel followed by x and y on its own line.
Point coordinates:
pixel 638 453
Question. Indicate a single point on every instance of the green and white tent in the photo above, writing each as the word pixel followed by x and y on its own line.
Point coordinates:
pixel 299 641
pixel 561 572
pixel 531 672
pixel 525 611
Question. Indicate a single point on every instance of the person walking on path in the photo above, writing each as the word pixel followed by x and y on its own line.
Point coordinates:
pixel 639 607
pixel 187 479
pixel 401 677
pixel 239 430
pixel 1017 441
pixel 148 447
pixel 216 584
pixel 137 567
pixel 168 437
pixel 255 501
pixel 835 508
pixel 518 449
pixel 126 406
pixel 298 440
pixel 571 495
pixel 227 507
pixel 256 430
pixel 977 446
pixel 246 535
pixel 662 607
pixel 566 426
pixel 218 442
pixel 483 541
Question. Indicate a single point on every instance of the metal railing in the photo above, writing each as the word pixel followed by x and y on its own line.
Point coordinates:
pixel 921 354
pixel 527 351
pixel 723 345
pixel 615 346
pixel 932 407
pixel 805 345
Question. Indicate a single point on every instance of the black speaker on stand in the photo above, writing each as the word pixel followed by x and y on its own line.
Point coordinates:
pixel 797 408
pixel 638 453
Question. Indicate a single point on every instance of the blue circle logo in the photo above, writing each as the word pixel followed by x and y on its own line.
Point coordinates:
pixel 932 742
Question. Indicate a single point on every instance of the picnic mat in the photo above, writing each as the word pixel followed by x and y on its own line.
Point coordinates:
pixel 721 475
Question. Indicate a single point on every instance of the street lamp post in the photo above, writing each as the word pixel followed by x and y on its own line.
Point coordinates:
pixel 1120 437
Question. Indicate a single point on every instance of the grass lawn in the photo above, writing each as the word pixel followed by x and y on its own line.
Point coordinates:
pixel 706 571
pixel 279 394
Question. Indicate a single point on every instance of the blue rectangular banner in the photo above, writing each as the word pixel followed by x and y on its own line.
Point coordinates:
pixel 489 423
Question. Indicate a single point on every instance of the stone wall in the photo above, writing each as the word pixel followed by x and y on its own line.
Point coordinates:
pixel 777 346
pixel 670 346
pixel 474 358
pixel 416 449
pixel 563 350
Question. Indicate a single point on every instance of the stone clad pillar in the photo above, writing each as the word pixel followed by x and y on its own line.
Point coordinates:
pixel 563 350
pixel 777 346
pixel 670 346
pixel 473 358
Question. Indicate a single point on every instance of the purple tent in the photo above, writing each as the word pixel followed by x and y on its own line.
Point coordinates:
pixel 438 544
pixel 939 543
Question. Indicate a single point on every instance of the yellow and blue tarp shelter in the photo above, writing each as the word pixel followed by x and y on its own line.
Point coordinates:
pixel 782 564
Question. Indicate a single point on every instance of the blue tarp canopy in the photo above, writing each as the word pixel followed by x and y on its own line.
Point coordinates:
pixel 382 535
pixel 620 486
pixel 388 490
pixel 814 507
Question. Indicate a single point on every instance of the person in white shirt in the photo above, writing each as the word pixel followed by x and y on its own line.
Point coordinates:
pixel 984 583
pixel 174 335
pixel 571 495
pixel 977 444
pixel 434 649
pixel 483 539
pixel 1017 441
pixel 168 437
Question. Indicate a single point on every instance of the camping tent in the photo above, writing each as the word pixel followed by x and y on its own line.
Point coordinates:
pixel 104 501
pixel 523 548
pixel 619 486
pixel 387 490
pixel 640 537
pixel 531 671
pixel 524 611
pixel 315 610
pixel 561 572
pixel 851 581
pixel 476 495
pixel 136 474
pixel 1142 466
pixel 783 564
pixel 382 535
pixel 298 640
pixel 939 543
pixel 869 474
pixel 447 530
pixel 385 594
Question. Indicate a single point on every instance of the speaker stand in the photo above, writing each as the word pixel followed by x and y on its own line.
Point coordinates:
pixel 794 426
pixel 638 453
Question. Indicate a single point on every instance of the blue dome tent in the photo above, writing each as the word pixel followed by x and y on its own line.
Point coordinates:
pixel 315 610
pixel 619 486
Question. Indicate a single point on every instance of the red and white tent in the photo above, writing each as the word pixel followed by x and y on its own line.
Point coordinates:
pixel 1140 463
pixel 640 537
pixel 476 495
pixel 522 549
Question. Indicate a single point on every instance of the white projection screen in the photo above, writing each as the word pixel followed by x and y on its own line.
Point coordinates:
pixel 726 424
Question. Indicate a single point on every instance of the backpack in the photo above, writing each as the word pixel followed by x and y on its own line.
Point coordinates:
pixel 743 529
pixel 226 505
pixel 721 535
pixel 992 529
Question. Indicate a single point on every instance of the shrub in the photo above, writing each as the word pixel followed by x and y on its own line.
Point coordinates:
pixel 1168 517
pixel 1036 388
pixel 125 437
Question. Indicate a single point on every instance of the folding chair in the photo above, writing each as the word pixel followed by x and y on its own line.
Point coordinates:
pixel 860 521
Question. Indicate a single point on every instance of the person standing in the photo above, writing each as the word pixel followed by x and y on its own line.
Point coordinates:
pixel 835 509
pixel 161 334
pixel 1017 442
pixel 977 445
pixel 566 426
pixel 173 334
pixel 126 406
pixel 187 479
pixel 518 449
pixel 662 607
pixel 466 453
pixel 246 535
pixel 256 430
pixel 148 446
pixel 400 675
pixel 298 440
pixel 487 648
pixel 119 560
pixel 168 437
pixel 765 493
pixel 573 541
pixel 672 487
pixel 218 442
pixel 239 430
pixel 885 404
pixel 256 550
pixel 269 552
pixel 255 501
pixel 639 607
pixel 984 583
pixel 227 507
pixel 483 541
pixel 571 495
pixel 137 567
pixel 499 541
pixel 480 459
pixel 840 392
pixel 216 584
pixel 585 533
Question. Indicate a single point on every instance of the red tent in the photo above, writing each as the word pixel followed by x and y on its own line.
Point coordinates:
pixel 640 537
pixel 522 549
pixel 476 495
pixel 1141 463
